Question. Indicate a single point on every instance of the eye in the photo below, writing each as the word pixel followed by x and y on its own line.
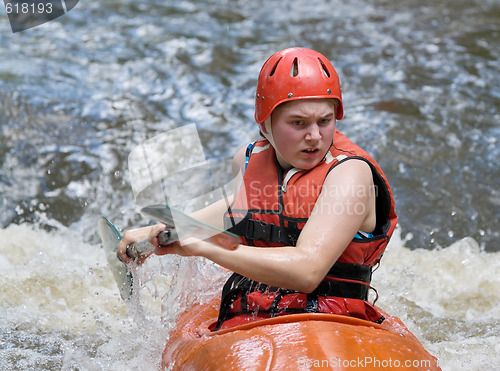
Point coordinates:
pixel 298 123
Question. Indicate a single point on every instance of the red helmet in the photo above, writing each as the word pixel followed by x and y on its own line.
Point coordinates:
pixel 295 73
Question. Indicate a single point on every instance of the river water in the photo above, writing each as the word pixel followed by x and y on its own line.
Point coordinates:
pixel 420 82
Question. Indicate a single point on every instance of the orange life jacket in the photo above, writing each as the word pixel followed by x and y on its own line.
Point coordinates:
pixel 271 209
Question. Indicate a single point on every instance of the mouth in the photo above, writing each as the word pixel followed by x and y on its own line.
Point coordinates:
pixel 310 151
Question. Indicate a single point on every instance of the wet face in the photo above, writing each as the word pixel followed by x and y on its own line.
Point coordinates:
pixel 303 132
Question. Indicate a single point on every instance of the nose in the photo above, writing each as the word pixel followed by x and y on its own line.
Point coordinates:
pixel 313 134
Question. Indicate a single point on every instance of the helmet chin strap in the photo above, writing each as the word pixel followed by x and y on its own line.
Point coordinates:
pixel 268 134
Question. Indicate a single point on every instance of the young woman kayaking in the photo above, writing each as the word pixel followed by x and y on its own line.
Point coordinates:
pixel 315 211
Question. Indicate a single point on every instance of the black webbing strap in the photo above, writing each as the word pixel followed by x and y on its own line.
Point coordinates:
pixel 356 272
pixel 343 289
pixel 257 230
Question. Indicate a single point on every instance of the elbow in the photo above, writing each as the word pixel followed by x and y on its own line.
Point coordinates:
pixel 308 283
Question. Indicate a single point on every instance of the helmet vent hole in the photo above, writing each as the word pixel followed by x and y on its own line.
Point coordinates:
pixel 275 66
pixel 294 71
pixel 325 69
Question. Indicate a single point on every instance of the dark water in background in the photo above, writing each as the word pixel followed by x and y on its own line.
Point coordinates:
pixel 421 88
pixel 420 82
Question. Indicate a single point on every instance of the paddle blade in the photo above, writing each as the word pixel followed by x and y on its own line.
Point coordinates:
pixel 110 239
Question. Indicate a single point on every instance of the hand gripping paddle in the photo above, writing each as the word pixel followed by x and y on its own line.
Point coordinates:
pixel 179 224
pixel 110 239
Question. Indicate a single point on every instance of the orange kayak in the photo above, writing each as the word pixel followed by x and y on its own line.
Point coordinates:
pixel 304 341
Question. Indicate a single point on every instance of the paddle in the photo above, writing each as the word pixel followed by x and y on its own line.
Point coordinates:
pixel 180 226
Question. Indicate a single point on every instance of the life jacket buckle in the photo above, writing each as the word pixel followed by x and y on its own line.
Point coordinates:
pixel 259 230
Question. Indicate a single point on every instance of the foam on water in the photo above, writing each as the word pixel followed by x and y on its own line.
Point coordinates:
pixel 60 306
pixel 450 299
pixel 61 309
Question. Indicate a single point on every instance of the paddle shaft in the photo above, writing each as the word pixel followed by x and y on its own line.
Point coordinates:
pixel 136 249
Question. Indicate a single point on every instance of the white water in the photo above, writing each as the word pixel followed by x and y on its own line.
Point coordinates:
pixel 60 307
pixel 420 83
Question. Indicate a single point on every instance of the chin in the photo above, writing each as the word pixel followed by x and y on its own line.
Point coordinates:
pixel 307 165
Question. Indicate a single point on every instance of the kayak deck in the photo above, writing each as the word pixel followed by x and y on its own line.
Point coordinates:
pixel 293 342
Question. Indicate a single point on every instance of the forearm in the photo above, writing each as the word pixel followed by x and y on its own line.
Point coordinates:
pixel 287 267
pixel 213 214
